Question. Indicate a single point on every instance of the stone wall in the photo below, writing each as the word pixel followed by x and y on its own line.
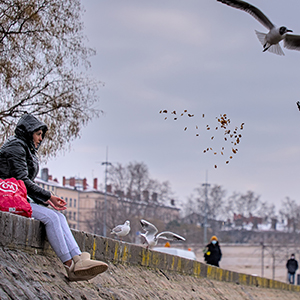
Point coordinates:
pixel 30 267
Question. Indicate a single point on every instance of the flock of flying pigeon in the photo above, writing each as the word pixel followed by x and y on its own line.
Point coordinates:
pixel 151 234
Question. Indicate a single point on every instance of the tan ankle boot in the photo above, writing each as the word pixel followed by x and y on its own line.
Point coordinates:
pixel 85 256
pixel 86 267
pixel 70 272
pixel 72 276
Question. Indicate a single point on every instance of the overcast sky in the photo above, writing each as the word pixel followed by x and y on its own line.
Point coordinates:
pixel 204 57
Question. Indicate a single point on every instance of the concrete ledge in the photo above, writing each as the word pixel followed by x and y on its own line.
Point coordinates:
pixel 29 235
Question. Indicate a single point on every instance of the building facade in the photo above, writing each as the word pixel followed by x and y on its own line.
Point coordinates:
pixel 94 211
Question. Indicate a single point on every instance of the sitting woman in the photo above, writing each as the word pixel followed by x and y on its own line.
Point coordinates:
pixel 18 159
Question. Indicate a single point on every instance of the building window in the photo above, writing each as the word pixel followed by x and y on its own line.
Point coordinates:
pixel 70 215
pixel 52 188
pixel 74 215
pixel 66 199
pixel 70 202
pixel 74 202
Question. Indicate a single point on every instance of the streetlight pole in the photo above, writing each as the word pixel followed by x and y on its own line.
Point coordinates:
pixel 106 163
pixel 206 185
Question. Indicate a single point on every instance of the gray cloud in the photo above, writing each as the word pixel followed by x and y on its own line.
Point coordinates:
pixel 204 57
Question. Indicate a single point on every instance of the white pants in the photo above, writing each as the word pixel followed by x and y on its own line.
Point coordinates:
pixel 58 231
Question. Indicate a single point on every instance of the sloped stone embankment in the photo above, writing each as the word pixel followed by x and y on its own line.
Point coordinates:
pixel 30 270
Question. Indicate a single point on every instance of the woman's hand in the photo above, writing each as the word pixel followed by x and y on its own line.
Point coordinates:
pixel 57 203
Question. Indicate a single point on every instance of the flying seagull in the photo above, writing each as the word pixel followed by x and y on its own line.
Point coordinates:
pixel 152 237
pixel 298 104
pixel 270 40
pixel 121 230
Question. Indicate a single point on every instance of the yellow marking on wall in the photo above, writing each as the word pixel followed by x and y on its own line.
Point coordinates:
pixel 125 254
pixel 116 252
pixel 173 263
pixel 259 281
pixel 214 273
pixel 179 264
pixel 263 282
pixel 94 248
pixel 227 275
pixel 106 248
pixel 243 278
pixel 266 282
pixel 252 280
pixel 155 258
pixel 220 273
pixel 197 269
pixel 145 258
pixel 209 271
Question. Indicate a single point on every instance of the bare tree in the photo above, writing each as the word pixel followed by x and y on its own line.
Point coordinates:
pixel 42 68
pixel 153 186
pixel 247 204
pixel 229 206
pixel 290 211
pixel 215 204
pixel 267 211
pixel 118 176
pixel 165 192
pixel 189 206
pixel 215 201
pixel 138 179
pixel 132 180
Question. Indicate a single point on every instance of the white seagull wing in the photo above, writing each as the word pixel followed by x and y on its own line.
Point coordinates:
pixel 252 10
pixel 148 227
pixel 117 229
pixel 170 236
pixel 292 42
pixel 261 36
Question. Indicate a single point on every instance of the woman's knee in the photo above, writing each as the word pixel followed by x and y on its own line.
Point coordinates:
pixel 44 214
pixel 62 217
pixel 51 217
pixel 48 216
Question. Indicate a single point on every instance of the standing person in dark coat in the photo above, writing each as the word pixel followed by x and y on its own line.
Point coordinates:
pixel 292 267
pixel 18 159
pixel 213 253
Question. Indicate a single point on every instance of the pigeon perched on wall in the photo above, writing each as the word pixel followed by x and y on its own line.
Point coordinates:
pixel 152 237
pixel 270 40
pixel 121 230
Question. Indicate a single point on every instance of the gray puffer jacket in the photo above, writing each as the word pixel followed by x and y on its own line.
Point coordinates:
pixel 18 157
